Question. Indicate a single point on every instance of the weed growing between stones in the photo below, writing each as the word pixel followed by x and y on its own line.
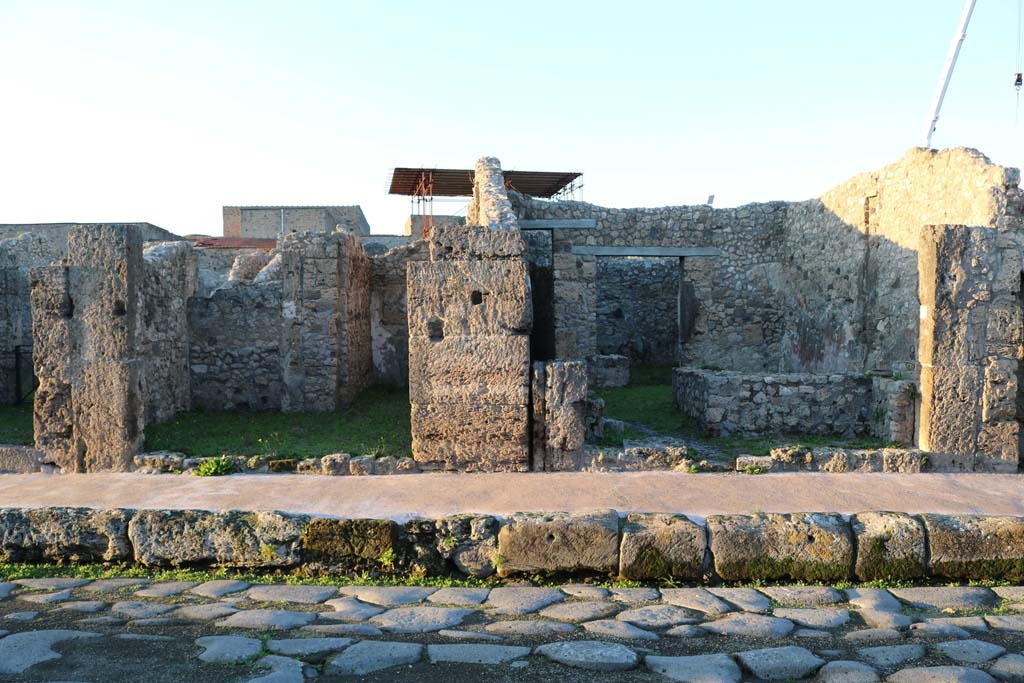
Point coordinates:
pixel 216 467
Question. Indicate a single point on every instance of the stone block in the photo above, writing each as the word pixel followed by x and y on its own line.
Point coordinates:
pixel 559 542
pixel 456 455
pixel 965 547
pixel 815 547
pixel 660 546
pixel 61 534
pixel 469 542
pixel 230 539
pixel 608 371
pixel 469 298
pixel 565 416
pixel 109 416
pixel 473 369
pixel 20 459
pixel 474 242
pixel 890 546
pixel 349 544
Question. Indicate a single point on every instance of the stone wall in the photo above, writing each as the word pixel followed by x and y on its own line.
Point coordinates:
pixel 894 410
pixel 970 341
pixel 89 408
pixel 266 221
pixel 389 325
pixel 235 348
pixel 735 403
pixel 850 289
pixel 637 308
pixel 736 323
pixel 168 282
pixel 326 353
pixel 470 315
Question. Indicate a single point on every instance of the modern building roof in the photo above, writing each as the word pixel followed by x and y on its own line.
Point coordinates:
pixel 450 182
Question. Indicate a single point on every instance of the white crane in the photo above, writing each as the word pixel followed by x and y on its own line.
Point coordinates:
pixel 947 71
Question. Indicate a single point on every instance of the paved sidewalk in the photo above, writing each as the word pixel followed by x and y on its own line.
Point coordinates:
pixel 401 497
pixel 129 630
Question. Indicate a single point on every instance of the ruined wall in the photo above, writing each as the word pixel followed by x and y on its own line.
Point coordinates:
pixel 266 221
pixel 736 403
pixel 325 338
pixel 637 305
pixel 970 343
pixel 235 348
pixel 389 325
pixel 470 316
pixel 17 256
pixel 737 323
pixel 87 326
pixel 168 282
pixel 850 291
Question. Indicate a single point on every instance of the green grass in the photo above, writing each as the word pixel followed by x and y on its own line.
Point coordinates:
pixel 16 424
pixel 377 423
pixel 648 401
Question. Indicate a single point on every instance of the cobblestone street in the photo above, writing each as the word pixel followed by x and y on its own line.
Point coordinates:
pixel 132 630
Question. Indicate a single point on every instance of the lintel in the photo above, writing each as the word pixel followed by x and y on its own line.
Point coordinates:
pixel 649 252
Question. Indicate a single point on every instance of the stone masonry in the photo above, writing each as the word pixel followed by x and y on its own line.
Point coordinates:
pixel 470 315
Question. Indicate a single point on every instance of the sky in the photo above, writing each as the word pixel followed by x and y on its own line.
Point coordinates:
pixel 166 111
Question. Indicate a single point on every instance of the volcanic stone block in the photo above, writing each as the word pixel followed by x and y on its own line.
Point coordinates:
pixel 659 546
pixel 470 297
pixel 813 546
pixel 232 539
pixel 349 544
pixel 64 534
pixel 560 542
pixel 109 419
pixel 484 437
pixel 890 545
pixel 476 369
pixel 20 459
pixel 468 242
pixel 976 547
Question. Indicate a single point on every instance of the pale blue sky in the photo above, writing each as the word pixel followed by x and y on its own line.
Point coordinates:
pixel 165 111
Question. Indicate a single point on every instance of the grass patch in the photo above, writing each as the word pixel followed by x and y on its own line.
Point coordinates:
pixel 377 423
pixel 648 401
pixel 16 424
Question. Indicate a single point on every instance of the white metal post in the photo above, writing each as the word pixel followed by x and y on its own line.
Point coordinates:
pixel 947 71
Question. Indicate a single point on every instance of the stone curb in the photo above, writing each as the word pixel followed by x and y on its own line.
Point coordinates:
pixel 815 547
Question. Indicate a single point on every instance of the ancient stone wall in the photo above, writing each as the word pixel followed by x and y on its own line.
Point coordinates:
pixel 970 341
pixel 850 291
pixel 893 410
pixel 389 328
pixel 17 256
pixel 637 308
pixel 735 403
pixel 326 351
pixel 560 415
pixel 267 221
pixel 235 348
pixel 470 315
pixel 168 282
pixel 87 319
pixel 736 324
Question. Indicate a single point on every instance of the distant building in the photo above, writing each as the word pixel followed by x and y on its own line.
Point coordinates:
pixel 269 222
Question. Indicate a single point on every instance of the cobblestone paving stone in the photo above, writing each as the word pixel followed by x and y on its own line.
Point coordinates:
pixel 135 630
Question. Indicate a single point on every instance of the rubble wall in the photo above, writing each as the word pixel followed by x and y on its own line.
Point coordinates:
pixel 637 305
pixel 168 282
pixel 754 404
pixel 389 326
pixel 850 292
pixel 235 348
pixel 737 323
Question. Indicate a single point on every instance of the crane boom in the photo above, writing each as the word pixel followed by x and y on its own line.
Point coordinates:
pixel 947 71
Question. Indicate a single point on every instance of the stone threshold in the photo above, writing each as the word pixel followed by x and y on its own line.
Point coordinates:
pixel 819 547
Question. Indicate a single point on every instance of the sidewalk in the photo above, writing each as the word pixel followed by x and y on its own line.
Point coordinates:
pixel 400 497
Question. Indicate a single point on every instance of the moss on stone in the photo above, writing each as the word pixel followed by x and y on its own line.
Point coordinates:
pixel 768 569
pixel 350 544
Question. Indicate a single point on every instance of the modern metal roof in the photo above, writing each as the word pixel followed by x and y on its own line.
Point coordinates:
pixel 450 182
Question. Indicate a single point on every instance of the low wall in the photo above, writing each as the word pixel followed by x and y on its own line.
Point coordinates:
pixel 816 547
pixel 732 402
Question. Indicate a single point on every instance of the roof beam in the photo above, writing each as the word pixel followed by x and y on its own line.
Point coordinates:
pixel 648 252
